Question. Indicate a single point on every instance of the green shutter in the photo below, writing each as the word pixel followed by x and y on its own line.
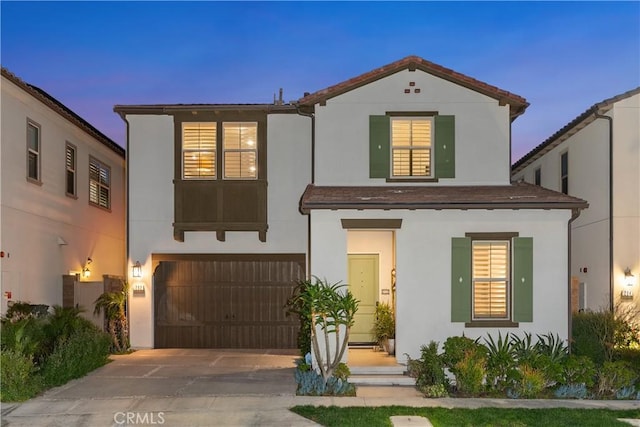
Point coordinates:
pixel 445 130
pixel 522 279
pixel 379 136
pixel 460 279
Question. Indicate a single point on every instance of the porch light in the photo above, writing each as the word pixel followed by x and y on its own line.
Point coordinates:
pixel 137 270
pixel 86 273
pixel 629 278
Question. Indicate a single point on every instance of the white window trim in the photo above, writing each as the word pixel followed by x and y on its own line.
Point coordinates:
pixel 192 150
pixel 239 150
pixel 101 166
pixel 430 149
pixel 508 279
pixel 38 154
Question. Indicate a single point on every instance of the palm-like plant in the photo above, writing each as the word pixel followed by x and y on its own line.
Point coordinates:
pixel 114 305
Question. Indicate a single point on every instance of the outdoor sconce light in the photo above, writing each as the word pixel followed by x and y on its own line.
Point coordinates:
pixel 137 270
pixel 86 273
pixel 629 279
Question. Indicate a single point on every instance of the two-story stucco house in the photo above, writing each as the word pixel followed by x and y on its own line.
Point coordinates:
pixel 395 182
pixel 62 186
pixel 595 157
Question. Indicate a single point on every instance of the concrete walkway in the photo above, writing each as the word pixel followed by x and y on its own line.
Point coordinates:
pixel 216 388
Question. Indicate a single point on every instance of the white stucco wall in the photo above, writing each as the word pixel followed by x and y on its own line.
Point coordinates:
pixel 342 129
pixel 34 216
pixel 151 205
pixel 423 263
pixel 589 179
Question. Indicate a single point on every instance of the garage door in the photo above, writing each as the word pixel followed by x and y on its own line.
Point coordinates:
pixel 225 301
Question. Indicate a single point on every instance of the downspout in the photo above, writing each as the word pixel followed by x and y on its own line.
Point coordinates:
pixel 575 213
pixel 610 120
pixel 313 179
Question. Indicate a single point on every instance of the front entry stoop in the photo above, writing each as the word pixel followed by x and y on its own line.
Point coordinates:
pixel 381 376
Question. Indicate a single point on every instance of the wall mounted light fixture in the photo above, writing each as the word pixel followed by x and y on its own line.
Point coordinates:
pixel 629 278
pixel 137 270
pixel 86 273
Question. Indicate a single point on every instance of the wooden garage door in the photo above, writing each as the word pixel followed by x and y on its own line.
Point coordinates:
pixel 225 301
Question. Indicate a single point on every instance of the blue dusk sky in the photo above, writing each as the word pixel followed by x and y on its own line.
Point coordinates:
pixel 561 56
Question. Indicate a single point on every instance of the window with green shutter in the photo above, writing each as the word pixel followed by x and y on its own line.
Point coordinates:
pixel 420 147
pixel 492 279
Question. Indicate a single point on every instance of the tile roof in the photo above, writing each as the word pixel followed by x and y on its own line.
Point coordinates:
pixel 63 111
pixel 516 103
pixel 518 195
pixel 570 129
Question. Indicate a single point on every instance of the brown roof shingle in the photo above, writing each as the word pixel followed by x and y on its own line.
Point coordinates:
pixel 519 195
pixel 516 103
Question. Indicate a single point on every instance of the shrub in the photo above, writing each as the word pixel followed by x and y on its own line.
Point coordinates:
pixel 429 369
pixel 529 384
pixel 22 310
pixel 599 335
pixel 613 377
pixel 74 356
pixel 455 349
pixel 572 391
pixel 18 376
pixel 629 355
pixel 310 383
pixel 470 372
pixel 578 370
pixel 552 346
pixel 500 362
pixel 524 349
pixel 24 336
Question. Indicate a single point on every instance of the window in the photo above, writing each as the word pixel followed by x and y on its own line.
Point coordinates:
pixel 491 279
pixel 240 150
pixel 411 147
pixel 537 176
pixel 564 172
pixel 33 152
pixel 70 165
pixel 198 150
pixel 418 147
pixel 99 183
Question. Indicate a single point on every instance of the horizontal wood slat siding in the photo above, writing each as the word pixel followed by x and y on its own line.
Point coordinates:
pixel 225 303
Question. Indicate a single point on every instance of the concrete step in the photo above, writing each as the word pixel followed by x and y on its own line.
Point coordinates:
pixel 379 380
pixel 378 370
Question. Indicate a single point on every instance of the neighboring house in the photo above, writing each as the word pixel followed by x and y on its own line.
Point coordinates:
pixel 403 174
pixel 595 157
pixel 61 195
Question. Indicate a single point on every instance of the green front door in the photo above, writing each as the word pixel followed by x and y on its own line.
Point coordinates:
pixel 363 283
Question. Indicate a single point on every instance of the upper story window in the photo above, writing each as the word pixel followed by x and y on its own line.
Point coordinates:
pixel 70 170
pixel 33 152
pixel 199 150
pixel 99 183
pixel 564 172
pixel 411 147
pixel 240 145
pixel 537 176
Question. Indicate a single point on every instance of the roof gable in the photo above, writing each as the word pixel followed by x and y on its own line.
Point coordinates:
pixel 517 104
pixel 63 111
pixel 571 129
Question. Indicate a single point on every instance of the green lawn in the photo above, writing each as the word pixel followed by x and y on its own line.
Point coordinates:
pixel 459 417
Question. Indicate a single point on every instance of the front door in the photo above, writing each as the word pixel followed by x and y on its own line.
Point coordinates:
pixel 363 284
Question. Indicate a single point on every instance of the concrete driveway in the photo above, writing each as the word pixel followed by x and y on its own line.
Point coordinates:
pixel 172 387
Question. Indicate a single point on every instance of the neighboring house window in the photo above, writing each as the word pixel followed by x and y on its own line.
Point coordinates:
pixel 99 183
pixel 537 176
pixel 198 150
pixel 564 172
pixel 70 166
pixel 411 146
pixel 240 145
pixel 492 279
pixel 33 152
pixel 419 147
